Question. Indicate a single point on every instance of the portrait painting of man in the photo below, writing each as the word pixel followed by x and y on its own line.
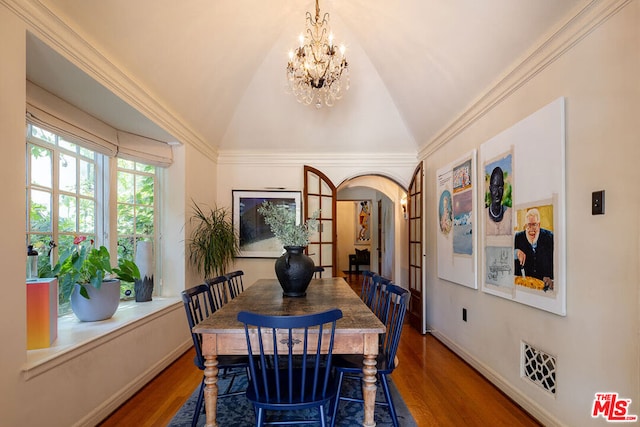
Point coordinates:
pixel 533 249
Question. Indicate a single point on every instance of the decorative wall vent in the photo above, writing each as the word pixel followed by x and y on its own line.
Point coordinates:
pixel 539 367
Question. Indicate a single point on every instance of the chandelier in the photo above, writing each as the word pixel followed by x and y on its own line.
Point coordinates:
pixel 316 68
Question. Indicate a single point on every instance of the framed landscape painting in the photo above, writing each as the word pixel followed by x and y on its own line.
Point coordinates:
pixel 256 238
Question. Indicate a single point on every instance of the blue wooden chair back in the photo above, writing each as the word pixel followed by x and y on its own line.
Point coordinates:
pixel 290 361
pixel 218 288
pixel 198 305
pixel 395 311
pixel 379 300
pixel 234 283
pixel 366 295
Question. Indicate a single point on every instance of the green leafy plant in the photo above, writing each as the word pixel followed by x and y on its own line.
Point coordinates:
pixel 282 221
pixel 89 266
pixel 214 242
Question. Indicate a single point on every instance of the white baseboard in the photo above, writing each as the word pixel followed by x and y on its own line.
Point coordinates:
pixel 108 406
pixel 533 408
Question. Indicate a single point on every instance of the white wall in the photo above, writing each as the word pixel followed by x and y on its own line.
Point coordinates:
pixel 346 232
pixel 199 187
pixel 596 344
pixel 12 304
pixel 173 231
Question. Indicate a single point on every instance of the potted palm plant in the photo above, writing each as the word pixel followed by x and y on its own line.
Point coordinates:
pixel 214 242
pixel 294 268
pixel 90 282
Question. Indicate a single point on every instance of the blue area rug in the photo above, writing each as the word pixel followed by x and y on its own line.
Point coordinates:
pixel 236 411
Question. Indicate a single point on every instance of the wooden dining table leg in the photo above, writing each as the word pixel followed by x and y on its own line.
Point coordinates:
pixel 211 390
pixel 369 389
pixel 369 372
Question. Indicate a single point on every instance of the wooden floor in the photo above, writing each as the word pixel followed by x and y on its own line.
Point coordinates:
pixel 439 388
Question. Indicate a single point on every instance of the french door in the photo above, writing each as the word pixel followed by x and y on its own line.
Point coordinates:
pixel 415 205
pixel 381 234
pixel 320 195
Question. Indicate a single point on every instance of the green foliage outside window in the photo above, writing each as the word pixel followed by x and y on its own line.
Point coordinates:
pixel 59 212
pixel 136 209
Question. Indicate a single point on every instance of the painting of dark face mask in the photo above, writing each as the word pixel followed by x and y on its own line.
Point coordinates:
pixel 496 189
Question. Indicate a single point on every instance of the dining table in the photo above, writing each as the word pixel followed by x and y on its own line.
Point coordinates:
pixel 357 332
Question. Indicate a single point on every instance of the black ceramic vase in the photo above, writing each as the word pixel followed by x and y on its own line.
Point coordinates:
pixel 143 289
pixel 294 270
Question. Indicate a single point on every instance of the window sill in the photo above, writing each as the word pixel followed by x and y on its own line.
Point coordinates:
pixel 76 337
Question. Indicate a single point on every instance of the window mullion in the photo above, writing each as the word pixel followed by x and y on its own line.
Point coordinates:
pixel 77 195
pixel 159 181
pixel 105 201
pixel 55 202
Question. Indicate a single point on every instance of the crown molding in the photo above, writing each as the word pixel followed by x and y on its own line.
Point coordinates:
pixel 42 22
pixel 395 166
pixel 580 24
pixel 387 160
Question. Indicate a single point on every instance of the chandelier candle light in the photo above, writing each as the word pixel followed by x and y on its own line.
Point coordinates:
pixel 316 68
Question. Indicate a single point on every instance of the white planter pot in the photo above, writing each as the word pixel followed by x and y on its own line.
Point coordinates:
pixel 102 303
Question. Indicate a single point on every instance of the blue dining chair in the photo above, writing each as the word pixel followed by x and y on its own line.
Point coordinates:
pixel 234 283
pixel 317 272
pixel 350 366
pixel 290 363
pixel 366 294
pixel 378 300
pixel 199 304
pixel 218 288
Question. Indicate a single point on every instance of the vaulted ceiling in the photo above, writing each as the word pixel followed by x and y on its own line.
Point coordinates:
pixel 218 67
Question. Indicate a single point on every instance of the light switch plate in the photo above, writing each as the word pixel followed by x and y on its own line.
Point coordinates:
pixel 597 203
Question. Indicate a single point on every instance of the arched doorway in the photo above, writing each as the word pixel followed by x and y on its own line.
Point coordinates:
pixel 395 226
pixel 387 238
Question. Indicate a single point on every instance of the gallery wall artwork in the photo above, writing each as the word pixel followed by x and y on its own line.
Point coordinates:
pixel 497 205
pixel 256 238
pixel 456 237
pixel 363 222
pixel 522 171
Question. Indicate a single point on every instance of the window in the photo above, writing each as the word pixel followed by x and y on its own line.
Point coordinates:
pixel 61 195
pixel 136 208
pixel 66 188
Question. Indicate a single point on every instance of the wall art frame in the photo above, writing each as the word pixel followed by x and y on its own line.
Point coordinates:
pixel 256 238
pixel 532 155
pixel 456 214
pixel 363 222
